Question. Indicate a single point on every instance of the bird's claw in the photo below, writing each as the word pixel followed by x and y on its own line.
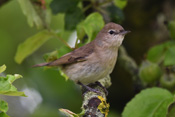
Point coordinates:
pixel 88 88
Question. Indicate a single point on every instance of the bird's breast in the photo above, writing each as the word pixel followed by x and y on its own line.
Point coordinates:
pixel 109 59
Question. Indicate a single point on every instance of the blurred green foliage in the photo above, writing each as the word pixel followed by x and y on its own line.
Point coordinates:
pixel 73 13
pixel 171 27
pixel 34 16
pixel 13 32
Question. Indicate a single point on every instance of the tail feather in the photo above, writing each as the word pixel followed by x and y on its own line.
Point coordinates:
pixel 41 64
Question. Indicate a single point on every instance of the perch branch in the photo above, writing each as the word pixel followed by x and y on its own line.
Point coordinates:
pixel 94 104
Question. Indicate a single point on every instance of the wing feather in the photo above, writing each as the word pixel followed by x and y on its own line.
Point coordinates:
pixel 77 55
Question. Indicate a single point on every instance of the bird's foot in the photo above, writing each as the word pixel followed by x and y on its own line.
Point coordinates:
pixel 104 88
pixel 88 88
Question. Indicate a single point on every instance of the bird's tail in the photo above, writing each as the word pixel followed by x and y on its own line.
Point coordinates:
pixel 41 65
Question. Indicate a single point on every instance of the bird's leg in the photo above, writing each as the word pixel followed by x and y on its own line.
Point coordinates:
pixel 104 88
pixel 88 88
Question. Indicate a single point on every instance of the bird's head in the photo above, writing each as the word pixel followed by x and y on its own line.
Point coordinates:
pixel 111 35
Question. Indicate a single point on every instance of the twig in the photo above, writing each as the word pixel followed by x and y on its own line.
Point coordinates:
pixel 2 2
pixel 87 7
pixel 62 40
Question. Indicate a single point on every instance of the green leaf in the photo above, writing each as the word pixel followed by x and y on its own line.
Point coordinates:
pixel 60 6
pixel 31 44
pixel 72 18
pixel 157 53
pixel 170 56
pixel 152 102
pixel 90 26
pixel 2 68
pixel 3 115
pixel 32 16
pixel 171 27
pixel 6 87
pixel 120 3
pixel 3 106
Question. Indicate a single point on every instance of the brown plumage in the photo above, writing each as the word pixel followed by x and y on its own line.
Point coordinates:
pixel 77 55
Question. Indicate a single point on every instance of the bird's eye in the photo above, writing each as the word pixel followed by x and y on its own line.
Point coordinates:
pixel 111 32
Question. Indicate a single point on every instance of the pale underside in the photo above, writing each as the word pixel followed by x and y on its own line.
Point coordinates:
pixel 96 67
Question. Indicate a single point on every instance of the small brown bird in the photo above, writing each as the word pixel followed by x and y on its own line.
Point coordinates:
pixel 95 60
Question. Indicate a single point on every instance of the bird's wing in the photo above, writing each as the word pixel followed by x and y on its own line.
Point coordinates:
pixel 77 55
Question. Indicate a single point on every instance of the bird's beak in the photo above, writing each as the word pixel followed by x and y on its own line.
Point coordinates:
pixel 124 32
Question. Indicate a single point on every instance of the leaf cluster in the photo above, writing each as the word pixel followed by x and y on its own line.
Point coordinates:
pixel 7 88
pixel 158 68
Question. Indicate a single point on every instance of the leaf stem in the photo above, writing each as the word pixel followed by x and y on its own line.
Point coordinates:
pixel 87 7
pixel 62 40
pixel 105 2
pixel 76 43
pixel 101 10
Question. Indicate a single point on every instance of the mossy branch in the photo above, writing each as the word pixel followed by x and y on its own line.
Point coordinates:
pixel 94 104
